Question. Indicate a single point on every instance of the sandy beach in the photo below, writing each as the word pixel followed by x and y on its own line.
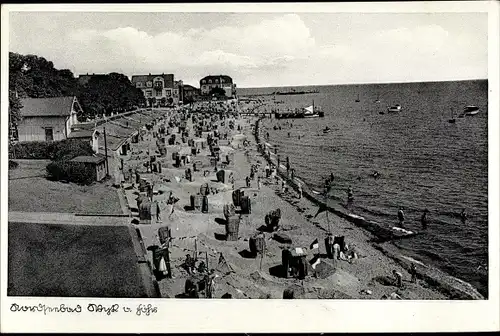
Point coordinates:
pixel 203 234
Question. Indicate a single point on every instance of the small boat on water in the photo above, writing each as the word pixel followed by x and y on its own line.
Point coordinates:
pixel 307 112
pixel 471 110
pixel 326 130
pixel 357 99
pixel 394 109
pixel 378 99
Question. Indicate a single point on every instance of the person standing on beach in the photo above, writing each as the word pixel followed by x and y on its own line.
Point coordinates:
pixel 247 179
pixel 259 183
pixel 282 186
pixel 413 273
pixel 399 278
pixel 299 186
pixel 401 216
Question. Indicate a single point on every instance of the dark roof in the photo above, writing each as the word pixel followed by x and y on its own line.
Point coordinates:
pixel 47 107
pixel 89 159
pixel 227 79
pixel 84 79
pixel 81 134
pixel 167 78
pixel 188 87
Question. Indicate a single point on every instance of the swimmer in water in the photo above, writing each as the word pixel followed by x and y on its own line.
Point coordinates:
pixel 350 196
pixel 423 219
pixel 463 216
pixel 401 216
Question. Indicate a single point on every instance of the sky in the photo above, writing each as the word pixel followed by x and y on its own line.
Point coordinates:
pixel 261 49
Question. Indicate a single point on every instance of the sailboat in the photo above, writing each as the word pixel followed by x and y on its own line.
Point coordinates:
pixel 452 120
pixel 357 100
pixel 312 112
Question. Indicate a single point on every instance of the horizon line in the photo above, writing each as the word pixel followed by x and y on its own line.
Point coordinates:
pixel 367 83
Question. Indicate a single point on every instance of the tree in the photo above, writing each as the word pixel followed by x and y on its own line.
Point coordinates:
pixel 217 91
pixel 36 77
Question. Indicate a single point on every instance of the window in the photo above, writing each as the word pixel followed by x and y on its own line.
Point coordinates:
pixel 210 81
pixel 49 134
pixel 149 93
pixel 222 80
pixel 203 81
pixel 217 81
pixel 158 93
pixel 149 84
pixel 168 93
pixel 138 84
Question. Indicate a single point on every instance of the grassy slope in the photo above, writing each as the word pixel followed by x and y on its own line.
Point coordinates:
pixel 67 260
pixel 30 191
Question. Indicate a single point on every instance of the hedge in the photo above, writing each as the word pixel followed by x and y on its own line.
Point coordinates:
pixel 53 150
pixel 77 172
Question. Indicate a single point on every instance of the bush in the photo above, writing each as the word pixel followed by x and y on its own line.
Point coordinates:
pixel 66 150
pixel 53 150
pixel 13 164
pixel 76 172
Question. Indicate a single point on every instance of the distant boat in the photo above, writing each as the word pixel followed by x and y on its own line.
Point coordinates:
pixel 357 100
pixel 394 109
pixel 381 112
pixel 378 99
pixel 471 110
pixel 326 130
pixel 452 120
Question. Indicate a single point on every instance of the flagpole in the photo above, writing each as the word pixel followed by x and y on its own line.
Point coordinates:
pixel 327 219
pixel 262 255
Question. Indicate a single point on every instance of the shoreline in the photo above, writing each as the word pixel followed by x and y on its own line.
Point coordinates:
pixel 453 287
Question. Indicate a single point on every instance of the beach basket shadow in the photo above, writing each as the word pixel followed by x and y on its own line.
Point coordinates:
pixel 220 236
pixel 221 221
pixel 384 280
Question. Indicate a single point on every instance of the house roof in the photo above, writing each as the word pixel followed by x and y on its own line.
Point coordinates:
pixel 81 134
pixel 226 79
pixel 167 78
pixel 47 107
pixel 188 87
pixel 89 159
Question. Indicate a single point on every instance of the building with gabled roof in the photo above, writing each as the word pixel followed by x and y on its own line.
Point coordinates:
pixel 47 119
pixel 207 83
pixel 159 89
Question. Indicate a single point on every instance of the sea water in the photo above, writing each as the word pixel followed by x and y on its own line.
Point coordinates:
pixel 423 161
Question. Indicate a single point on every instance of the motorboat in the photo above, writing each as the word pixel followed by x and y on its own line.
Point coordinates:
pixel 326 130
pixel 394 109
pixel 471 110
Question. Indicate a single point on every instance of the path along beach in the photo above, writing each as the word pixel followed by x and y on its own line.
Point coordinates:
pixel 202 234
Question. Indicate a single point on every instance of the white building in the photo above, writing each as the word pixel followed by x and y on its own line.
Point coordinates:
pixel 160 90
